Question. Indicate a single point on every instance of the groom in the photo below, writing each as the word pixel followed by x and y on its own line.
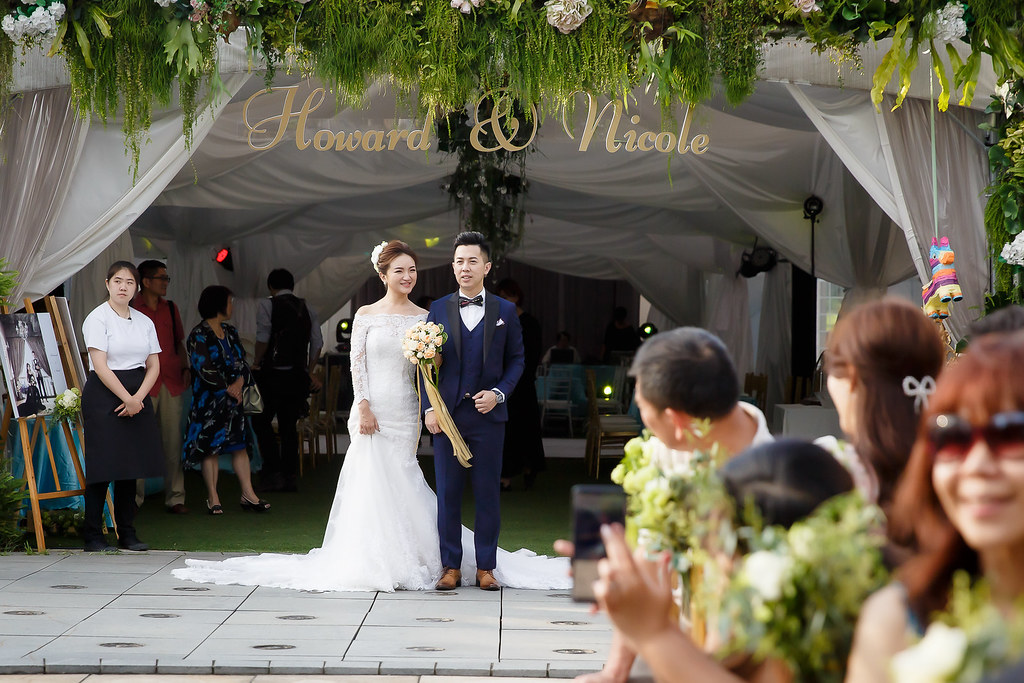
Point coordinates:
pixel 483 359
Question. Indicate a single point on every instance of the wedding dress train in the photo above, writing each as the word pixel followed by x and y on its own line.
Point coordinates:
pixel 382 530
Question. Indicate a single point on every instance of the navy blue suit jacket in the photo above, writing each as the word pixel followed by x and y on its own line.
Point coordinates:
pixel 503 349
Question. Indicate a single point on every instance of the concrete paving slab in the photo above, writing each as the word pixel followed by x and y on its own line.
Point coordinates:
pixel 295 667
pixel 290 631
pixel 434 613
pixel 167 667
pixel 567 670
pixel 41 678
pixel 458 595
pixel 240 667
pixel 164 583
pixel 320 613
pixel 131 623
pixel 389 642
pixel 134 667
pixel 124 563
pixel 462 668
pixel 520 668
pixel 357 671
pixel 407 667
pixel 11 600
pixel 351 611
pixel 556 617
pixel 18 565
pixel 546 596
pixel 72 663
pixel 265 592
pixel 41 621
pixel 554 646
pixel 271 646
pixel 106 646
pixel 100 583
pixel 177 603
pixel 23 667
pixel 15 647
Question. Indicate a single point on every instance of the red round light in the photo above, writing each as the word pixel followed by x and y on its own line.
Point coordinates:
pixel 222 255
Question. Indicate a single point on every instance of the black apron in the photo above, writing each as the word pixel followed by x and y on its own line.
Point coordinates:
pixel 119 447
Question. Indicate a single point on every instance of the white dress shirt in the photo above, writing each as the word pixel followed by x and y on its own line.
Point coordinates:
pixel 472 315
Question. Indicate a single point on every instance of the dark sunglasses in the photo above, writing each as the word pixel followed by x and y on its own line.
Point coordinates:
pixel 952 436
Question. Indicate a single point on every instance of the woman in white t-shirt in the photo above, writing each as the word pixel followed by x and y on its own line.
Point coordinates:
pixel 122 438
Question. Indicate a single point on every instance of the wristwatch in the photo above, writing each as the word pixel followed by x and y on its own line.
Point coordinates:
pixel 498 395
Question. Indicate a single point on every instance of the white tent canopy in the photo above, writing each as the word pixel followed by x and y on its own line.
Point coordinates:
pixel 669 229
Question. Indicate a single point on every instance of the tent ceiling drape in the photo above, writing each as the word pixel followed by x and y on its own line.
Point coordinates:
pixel 673 230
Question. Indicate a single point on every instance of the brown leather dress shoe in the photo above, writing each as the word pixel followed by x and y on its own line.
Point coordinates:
pixel 485 580
pixel 450 579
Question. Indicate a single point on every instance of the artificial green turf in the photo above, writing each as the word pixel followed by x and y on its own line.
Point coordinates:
pixel 530 519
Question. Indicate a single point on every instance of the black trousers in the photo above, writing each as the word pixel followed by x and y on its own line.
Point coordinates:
pixel 124 510
pixel 284 396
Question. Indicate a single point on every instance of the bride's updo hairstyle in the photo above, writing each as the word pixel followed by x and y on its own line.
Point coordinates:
pixel 393 250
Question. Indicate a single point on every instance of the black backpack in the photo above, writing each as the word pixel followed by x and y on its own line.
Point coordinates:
pixel 290 328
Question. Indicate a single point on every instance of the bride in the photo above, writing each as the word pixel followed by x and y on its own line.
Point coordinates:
pixel 382 531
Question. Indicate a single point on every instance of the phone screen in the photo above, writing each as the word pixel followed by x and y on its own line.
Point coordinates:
pixel 592 506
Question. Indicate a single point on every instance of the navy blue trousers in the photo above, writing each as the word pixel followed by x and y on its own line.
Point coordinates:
pixel 485 440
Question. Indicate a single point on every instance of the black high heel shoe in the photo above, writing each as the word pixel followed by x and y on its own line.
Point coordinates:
pixel 249 506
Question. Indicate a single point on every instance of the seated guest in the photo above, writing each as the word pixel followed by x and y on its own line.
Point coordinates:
pixel 562 352
pixel 620 337
pixel 962 496
pixel 784 482
pixel 216 421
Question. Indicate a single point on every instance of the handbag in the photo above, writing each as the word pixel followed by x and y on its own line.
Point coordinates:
pixel 252 400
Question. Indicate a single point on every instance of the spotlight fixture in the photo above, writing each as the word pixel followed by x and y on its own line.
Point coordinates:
pixel 223 257
pixel 757 260
pixel 647 330
pixel 812 207
pixel 343 332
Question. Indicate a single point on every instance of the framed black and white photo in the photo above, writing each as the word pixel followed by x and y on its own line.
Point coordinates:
pixel 33 373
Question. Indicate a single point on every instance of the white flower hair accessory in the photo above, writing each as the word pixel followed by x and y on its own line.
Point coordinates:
pixel 375 255
pixel 919 390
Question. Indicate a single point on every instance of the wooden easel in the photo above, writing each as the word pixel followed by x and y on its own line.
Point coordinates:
pixel 28 443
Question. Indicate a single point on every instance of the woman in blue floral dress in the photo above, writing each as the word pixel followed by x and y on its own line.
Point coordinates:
pixel 216 422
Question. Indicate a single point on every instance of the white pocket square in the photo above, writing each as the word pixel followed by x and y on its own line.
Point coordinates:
pixel 500 322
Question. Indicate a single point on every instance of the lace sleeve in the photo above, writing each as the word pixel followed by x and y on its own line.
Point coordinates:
pixel 357 357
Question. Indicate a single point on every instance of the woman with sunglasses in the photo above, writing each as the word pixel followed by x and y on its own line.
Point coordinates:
pixel 962 496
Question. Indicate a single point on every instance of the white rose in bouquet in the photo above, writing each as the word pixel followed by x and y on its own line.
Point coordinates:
pixel 765 572
pixel 935 659
pixel 567 15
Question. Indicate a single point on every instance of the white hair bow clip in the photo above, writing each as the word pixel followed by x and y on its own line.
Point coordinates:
pixel 375 254
pixel 919 390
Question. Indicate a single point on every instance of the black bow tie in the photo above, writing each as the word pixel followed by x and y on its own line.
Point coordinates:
pixel 477 300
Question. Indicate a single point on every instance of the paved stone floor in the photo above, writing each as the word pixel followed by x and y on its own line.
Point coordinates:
pixel 98 616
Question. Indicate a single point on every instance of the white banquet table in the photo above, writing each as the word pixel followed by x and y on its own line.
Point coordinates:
pixel 808 422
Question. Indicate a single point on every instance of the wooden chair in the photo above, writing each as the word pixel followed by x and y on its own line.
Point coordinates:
pixel 309 437
pixel 756 386
pixel 557 395
pixel 327 425
pixel 798 387
pixel 604 431
pixel 616 404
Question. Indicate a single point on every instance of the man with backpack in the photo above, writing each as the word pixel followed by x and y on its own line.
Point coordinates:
pixel 166 394
pixel 288 343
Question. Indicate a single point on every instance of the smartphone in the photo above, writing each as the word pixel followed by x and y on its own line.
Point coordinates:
pixel 592 506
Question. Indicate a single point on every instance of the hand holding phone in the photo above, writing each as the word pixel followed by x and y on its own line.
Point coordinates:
pixel 593 505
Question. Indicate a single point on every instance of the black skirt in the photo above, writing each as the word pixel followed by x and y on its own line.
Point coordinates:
pixel 119 447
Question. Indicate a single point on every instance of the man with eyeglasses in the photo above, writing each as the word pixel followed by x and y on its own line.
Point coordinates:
pixel 167 392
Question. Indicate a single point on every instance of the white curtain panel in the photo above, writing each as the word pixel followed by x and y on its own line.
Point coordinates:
pixel 774 343
pixel 102 198
pixel 40 150
pixel 889 153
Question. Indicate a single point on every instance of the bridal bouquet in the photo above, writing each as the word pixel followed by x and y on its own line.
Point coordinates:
pixel 422 346
pixel 967 642
pixel 68 405
pixel 795 593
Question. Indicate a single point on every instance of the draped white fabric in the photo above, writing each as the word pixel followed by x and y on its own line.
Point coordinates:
pixel 41 146
pixel 889 153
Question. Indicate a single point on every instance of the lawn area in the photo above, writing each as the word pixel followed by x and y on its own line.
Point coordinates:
pixel 530 519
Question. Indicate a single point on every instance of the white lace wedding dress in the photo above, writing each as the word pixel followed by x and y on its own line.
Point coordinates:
pixel 382 531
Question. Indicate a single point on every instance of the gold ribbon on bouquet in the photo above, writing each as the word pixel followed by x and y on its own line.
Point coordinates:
pixel 444 418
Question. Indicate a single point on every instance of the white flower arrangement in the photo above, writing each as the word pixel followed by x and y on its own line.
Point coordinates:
pixel 567 15
pixel 947 23
pixel 1013 252
pixel 466 6
pixel 765 572
pixel 36 26
pixel 68 405
pixel 164 3
pixel 423 342
pixel 375 254
pixel 935 659
pixel 806 6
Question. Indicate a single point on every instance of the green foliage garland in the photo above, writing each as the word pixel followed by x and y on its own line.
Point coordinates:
pixel 12 496
pixel 1004 213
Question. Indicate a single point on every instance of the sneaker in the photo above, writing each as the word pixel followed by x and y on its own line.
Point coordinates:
pixel 133 544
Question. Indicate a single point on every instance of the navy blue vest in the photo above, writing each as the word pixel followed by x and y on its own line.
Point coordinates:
pixel 471 359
